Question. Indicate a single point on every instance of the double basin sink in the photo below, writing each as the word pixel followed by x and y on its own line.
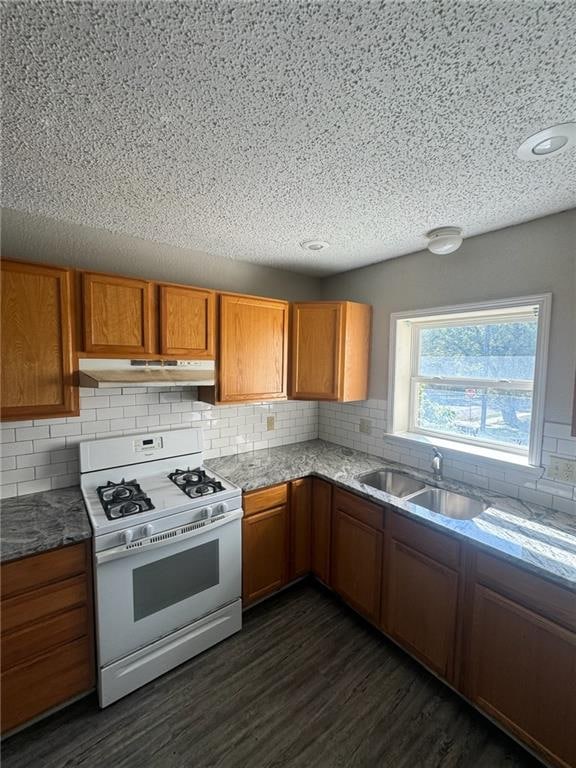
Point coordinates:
pixel 445 503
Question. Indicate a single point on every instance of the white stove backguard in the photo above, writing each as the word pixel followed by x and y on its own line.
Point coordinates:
pixel 138 449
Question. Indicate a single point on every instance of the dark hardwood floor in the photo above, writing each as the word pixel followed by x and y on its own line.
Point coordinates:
pixel 306 683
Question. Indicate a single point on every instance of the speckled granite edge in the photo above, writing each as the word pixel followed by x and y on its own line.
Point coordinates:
pixel 39 522
pixel 539 539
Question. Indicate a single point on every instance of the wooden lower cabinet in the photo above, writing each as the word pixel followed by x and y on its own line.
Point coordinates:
pixel 321 529
pixel 47 637
pixel 421 606
pixel 300 528
pixel 523 674
pixel 357 563
pixel 265 542
pixel 421 592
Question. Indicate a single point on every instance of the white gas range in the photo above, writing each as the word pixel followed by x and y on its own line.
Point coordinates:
pixel 167 555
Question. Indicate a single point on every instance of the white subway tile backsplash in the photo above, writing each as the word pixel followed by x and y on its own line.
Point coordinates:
pixel 48 458
pixel 553 429
pixel 34 459
pixel 62 430
pixel 567 447
pixel 340 424
pixel 17 449
pixel 34 486
pixel 32 433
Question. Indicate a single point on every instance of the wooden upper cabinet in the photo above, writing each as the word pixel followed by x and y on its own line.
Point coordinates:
pixel 330 350
pixel 118 314
pixel 37 346
pixel 253 349
pixel 186 322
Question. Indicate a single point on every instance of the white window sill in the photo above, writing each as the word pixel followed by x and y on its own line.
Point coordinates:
pixel 477 453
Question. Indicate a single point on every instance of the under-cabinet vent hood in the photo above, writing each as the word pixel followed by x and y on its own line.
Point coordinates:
pixel 146 373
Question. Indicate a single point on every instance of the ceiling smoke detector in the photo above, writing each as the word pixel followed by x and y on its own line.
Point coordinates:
pixel 550 141
pixel 444 239
pixel 314 245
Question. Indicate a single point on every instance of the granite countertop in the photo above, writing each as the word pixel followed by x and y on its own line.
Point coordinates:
pixel 537 538
pixel 534 537
pixel 42 521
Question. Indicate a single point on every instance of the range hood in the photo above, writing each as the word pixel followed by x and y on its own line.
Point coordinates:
pixel 100 374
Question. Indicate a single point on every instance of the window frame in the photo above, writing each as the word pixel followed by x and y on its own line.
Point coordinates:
pixel 405 330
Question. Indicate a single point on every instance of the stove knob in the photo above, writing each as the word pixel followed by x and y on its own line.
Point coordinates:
pixel 207 512
pixel 127 536
pixel 147 530
pixel 222 508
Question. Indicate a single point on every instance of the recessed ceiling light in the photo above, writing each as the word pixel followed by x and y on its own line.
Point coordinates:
pixel 550 141
pixel 314 245
pixel 444 240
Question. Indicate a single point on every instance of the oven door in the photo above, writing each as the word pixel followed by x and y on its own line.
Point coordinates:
pixel 145 593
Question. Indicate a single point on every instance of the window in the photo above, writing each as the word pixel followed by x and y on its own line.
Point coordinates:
pixel 472 375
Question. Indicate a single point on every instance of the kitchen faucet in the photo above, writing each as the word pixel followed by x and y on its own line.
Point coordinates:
pixel 437 462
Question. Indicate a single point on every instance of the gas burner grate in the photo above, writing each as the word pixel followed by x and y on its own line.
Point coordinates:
pixel 123 499
pixel 195 483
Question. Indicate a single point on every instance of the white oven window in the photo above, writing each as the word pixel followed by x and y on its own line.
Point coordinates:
pixel 174 578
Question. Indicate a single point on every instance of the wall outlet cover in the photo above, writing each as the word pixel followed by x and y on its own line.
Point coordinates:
pixel 365 426
pixel 562 470
pixel 270 423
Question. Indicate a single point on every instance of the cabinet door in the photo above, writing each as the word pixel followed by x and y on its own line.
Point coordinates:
pixel 321 529
pixel 46 632
pixel 300 528
pixel 523 673
pixel 357 563
pixel 37 349
pixel 253 349
pixel 317 355
pixel 117 315
pixel 421 606
pixel 264 553
pixel 186 322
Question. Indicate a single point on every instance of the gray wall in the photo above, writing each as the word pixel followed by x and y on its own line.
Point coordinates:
pixel 38 238
pixel 536 257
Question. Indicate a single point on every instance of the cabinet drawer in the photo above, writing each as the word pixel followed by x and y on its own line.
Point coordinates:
pixel 436 545
pixel 35 639
pixel 258 501
pixel 41 603
pixel 35 571
pixel 33 688
pixel 532 591
pixel 360 509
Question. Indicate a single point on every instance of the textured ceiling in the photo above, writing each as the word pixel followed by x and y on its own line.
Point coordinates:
pixel 241 128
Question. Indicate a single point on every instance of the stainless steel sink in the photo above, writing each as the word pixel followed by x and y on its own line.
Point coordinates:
pixel 449 504
pixel 394 483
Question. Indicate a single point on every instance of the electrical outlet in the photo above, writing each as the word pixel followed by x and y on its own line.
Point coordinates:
pixel 365 426
pixel 562 469
pixel 270 423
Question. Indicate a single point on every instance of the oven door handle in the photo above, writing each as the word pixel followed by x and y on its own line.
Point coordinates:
pixel 163 539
